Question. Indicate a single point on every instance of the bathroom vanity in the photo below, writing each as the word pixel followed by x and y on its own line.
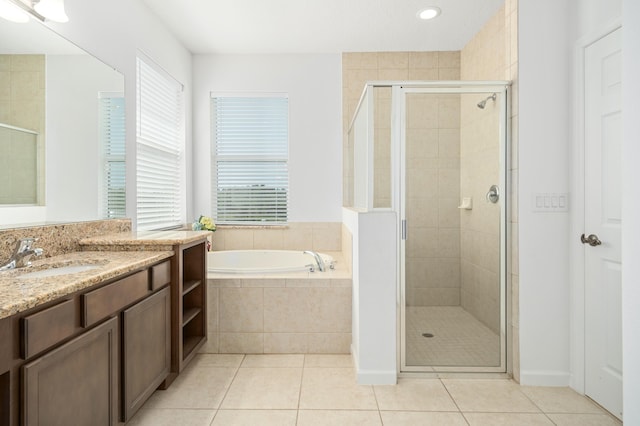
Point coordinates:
pixel 90 347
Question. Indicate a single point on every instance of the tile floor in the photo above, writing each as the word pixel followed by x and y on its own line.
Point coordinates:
pixel 321 390
pixel 459 339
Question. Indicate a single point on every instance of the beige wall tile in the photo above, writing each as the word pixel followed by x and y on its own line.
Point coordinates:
pixel 5 63
pixel 26 85
pixel 423 60
pixel 449 74
pixel 211 345
pixel 272 239
pixel 433 297
pixel 238 239
pixel 326 236
pixel 224 283
pixel 329 343
pixel 5 86
pixel 241 310
pixel 285 343
pixel 424 74
pixel 300 310
pixel 27 62
pixel 212 308
pixel 393 60
pixel 359 61
pixel 298 238
pixel 305 282
pixel 5 111
pixel 263 282
pixel 449 59
pixel 241 343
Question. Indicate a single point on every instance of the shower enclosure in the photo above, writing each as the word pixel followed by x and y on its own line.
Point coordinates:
pixel 435 153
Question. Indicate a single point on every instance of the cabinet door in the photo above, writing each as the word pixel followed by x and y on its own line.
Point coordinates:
pixel 146 349
pixel 75 384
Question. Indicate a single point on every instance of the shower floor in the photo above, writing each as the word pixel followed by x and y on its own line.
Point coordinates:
pixel 459 339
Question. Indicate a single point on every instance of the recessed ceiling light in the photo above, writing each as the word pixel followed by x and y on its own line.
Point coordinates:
pixel 429 12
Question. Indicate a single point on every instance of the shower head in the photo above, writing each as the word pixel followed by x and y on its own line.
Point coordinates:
pixel 483 102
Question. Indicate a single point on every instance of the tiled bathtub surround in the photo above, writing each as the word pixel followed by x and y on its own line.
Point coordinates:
pixel 280 313
pixel 60 238
pixel 318 236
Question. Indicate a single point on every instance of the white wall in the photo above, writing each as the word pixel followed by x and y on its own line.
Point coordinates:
pixel 630 209
pixel 114 31
pixel 313 83
pixel 544 142
pixel 374 332
pixel 546 61
pixel 73 166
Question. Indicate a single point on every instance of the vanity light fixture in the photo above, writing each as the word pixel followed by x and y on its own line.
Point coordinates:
pixel 429 13
pixel 52 10
pixel 12 12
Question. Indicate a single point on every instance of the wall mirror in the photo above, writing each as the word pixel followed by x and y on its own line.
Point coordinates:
pixel 62 130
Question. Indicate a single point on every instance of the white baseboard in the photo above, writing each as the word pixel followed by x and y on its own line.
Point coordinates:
pixel 372 377
pixel 376 377
pixel 544 378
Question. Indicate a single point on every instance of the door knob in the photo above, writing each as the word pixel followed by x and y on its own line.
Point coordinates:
pixel 592 240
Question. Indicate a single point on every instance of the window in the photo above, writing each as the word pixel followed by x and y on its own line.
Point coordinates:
pixel 112 142
pixel 160 148
pixel 250 138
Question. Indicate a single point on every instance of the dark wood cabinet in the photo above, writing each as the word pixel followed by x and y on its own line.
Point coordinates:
pixel 75 384
pixel 91 358
pixel 146 349
pixel 96 355
pixel 188 305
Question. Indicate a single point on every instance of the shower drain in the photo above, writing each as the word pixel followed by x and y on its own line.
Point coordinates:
pixel 427 335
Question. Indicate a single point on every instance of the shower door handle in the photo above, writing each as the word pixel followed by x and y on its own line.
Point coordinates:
pixel 494 194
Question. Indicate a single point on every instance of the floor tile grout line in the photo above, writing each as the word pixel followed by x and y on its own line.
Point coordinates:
pixel 375 396
pixel 226 392
pixel 300 390
pixel 454 400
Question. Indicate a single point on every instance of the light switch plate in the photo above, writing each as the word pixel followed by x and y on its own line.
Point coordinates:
pixel 551 202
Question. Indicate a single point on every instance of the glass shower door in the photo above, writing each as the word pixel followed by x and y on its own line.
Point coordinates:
pixel 452 260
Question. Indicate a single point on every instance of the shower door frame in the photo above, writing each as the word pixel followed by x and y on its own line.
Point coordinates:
pixel 398 129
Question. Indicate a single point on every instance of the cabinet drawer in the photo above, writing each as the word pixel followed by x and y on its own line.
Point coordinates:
pixel 160 275
pixel 47 327
pixel 100 303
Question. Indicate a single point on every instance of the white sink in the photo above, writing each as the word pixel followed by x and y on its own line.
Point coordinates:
pixel 63 270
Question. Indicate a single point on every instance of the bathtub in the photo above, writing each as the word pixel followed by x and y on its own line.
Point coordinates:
pixel 263 261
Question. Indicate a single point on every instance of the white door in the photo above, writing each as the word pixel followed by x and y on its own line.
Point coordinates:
pixel 603 267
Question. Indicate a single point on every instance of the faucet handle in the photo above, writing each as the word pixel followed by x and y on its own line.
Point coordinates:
pixel 24 244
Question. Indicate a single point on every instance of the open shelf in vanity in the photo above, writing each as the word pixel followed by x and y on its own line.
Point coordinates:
pixel 190 322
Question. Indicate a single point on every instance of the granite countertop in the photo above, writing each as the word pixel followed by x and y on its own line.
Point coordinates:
pixel 19 294
pixel 146 238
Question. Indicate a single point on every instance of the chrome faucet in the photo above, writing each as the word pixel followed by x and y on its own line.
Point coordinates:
pixel 22 254
pixel 318 259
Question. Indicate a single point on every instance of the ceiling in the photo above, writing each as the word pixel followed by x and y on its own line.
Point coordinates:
pixel 321 26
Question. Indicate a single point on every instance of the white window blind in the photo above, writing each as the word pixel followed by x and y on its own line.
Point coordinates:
pixel 250 137
pixel 160 149
pixel 112 141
